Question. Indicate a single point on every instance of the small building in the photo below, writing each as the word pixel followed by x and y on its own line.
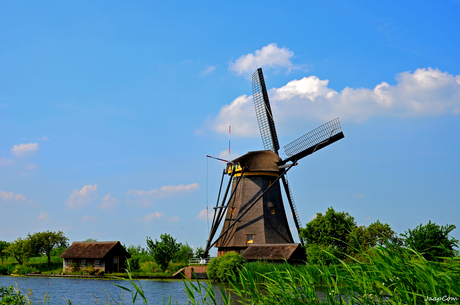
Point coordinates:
pixel 108 256
pixel 292 253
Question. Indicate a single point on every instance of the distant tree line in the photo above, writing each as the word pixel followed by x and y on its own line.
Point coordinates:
pixel 335 235
pixel 34 245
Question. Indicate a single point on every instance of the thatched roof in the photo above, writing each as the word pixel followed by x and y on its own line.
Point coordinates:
pixel 274 252
pixel 96 250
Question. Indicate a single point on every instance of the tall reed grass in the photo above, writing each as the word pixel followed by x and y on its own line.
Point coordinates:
pixel 386 275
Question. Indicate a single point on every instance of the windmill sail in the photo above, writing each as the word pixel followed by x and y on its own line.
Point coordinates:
pixel 314 140
pixel 264 112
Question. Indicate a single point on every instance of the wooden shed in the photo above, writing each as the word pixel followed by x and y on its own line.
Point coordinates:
pixel 108 256
pixel 292 253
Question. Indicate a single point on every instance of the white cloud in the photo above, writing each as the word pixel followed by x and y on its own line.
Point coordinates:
pixel 149 217
pixel 208 69
pixel 269 56
pixel 359 196
pixel 108 202
pixel 88 218
pixel 81 197
pixel 23 149
pixel 4 162
pixel 173 219
pixel 166 190
pixel 425 92
pixel 313 217
pixel 368 218
pixel 12 197
pixel 203 213
pixel 43 216
pixel 240 114
pixel 31 167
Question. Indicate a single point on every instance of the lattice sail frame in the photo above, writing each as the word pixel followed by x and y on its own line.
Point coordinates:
pixel 314 137
pixel 264 112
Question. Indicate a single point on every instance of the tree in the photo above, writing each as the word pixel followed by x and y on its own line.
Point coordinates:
pixel 45 242
pixel 332 229
pixel 431 240
pixel 20 249
pixel 363 238
pixel 3 246
pixel 163 251
pixel 199 252
pixel 185 253
pixel 336 234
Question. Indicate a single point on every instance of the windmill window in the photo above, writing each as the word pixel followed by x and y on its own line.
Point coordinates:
pixel 233 211
pixel 273 211
pixel 249 238
pixel 97 263
pixel 83 262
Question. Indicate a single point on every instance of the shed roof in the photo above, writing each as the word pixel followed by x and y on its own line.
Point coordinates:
pixel 273 252
pixel 95 250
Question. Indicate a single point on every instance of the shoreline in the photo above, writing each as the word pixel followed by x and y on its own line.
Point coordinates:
pixel 103 277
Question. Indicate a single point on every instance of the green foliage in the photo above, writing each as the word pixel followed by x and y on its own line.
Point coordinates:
pixel 11 296
pixel 136 287
pixel 58 251
pixel 75 267
pixel 322 255
pixel 199 252
pixel 45 242
pixel 389 275
pixel 134 263
pixel 332 229
pixel 336 235
pixel 185 253
pixel 20 249
pixel 90 240
pixel 3 246
pixel 23 270
pixel 221 267
pixel 163 251
pixel 135 250
pixel 91 270
pixel 431 240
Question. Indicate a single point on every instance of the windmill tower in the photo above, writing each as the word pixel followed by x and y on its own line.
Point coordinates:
pixel 254 213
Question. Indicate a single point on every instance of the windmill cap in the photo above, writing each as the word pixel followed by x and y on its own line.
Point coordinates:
pixel 260 161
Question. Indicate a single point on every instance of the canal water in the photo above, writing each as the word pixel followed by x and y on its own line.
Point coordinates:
pixel 92 291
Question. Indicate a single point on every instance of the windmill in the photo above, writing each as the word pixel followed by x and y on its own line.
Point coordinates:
pixel 254 212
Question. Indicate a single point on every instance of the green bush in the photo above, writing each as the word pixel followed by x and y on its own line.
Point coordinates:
pixel 173 267
pixel 4 270
pixel 91 270
pixel 134 264
pixel 220 268
pixel 22 270
pixel 320 255
pixel 432 241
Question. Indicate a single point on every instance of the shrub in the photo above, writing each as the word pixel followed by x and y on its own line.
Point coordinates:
pixel 173 267
pixel 91 270
pixel 320 255
pixel 75 267
pixel 22 270
pixel 134 263
pixel 431 240
pixel 221 267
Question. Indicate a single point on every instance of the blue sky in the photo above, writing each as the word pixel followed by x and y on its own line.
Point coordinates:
pixel 108 110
